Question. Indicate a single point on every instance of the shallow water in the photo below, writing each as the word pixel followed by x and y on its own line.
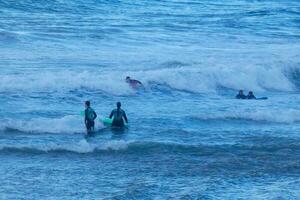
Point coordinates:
pixel 188 138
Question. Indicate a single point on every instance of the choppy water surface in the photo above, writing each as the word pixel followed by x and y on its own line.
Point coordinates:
pixel 188 137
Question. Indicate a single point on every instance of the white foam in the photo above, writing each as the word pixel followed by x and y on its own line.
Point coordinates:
pixel 207 79
pixel 196 78
pixel 66 124
pixel 78 147
pixel 115 145
pixel 276 115
pixel 62 81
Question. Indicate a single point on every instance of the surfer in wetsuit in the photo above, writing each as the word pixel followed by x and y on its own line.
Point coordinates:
pixel 89 117
pixel 240 95
pixel 251 95
pixel 135 84
pixel 118 115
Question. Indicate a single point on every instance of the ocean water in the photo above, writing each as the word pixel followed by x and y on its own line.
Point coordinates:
pixel 188 138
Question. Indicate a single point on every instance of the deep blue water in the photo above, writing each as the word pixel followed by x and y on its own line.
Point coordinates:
pixel 188 138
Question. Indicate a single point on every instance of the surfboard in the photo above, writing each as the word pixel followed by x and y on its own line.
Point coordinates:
pixel 108 122
pixel 262 98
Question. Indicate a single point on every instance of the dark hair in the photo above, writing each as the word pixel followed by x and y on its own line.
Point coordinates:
pixel 88 103
pixel 119 104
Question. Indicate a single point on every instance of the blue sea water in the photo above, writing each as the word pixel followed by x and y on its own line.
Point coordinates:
pixel 188 138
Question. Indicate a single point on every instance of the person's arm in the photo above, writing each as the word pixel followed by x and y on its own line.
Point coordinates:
pixel 140 84
pixel 95 115
pixel 125 117
pixel 111 114
pixel 85 117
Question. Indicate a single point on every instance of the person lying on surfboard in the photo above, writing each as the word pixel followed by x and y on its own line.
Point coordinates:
pixel 135 84
pixel 89 117
pixel 251 95
pixel 241 95
pixel 118 115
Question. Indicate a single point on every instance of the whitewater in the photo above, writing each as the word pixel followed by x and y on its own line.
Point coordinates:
pixel 188 137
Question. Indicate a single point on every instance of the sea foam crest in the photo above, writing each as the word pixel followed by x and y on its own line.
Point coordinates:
pixel 277 116
pixel 83 146
pixel 195 79
pixel 66 124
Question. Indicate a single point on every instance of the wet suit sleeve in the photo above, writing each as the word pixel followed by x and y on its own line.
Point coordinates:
pixel 95 115
pixel 141 84
pixel 85 116
pixel 125 117
pixel 111 114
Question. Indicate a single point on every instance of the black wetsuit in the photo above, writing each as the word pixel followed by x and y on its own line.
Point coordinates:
pixel 118 115
pixel 251 96
pixel 89 117
pixel 240 96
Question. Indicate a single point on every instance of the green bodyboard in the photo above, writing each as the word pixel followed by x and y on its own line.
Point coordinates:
pixel 82 113
pixel 108 122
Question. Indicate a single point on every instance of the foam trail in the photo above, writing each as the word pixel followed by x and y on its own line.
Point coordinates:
pixel 277 116
pixel 195 79
pixel 80 147
pixel 207 79
pixel 64 81
pixel 66 124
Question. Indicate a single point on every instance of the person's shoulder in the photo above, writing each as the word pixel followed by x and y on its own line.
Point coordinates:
pixel 135 81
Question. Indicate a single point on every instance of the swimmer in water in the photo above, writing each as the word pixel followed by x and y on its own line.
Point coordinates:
pixel 135 84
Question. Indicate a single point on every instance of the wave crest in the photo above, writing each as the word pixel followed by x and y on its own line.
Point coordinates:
pixel 277 116
pixel 81 147
pixel 198 79
pixel 66 124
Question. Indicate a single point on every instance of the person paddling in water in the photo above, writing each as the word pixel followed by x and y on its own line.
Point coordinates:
pixel 251 95
pixel 118 116
pixel 241 95
pixel 89 117
pixel 135 84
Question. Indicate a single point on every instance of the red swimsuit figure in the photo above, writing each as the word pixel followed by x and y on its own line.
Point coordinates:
pixel 135 84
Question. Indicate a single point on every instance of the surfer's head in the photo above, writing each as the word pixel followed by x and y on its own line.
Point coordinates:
pixel 128 78
pixel 87 104
pixel 118 104
pixel 241 92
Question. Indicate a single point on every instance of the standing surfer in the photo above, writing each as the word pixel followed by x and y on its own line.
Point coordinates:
pixel 118 116
pixel 89 117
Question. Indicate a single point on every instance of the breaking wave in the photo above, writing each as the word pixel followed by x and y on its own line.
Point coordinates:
pixel 274 116
pixel 194 79
pixel 66 124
